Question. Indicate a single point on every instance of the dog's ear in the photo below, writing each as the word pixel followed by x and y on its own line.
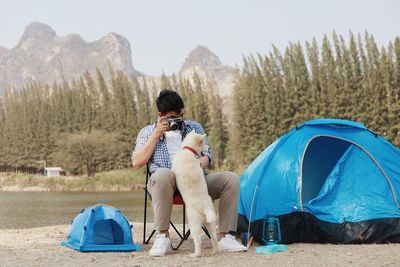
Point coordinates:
pixel 200 141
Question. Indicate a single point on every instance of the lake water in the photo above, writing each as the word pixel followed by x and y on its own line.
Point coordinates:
pixel 34 209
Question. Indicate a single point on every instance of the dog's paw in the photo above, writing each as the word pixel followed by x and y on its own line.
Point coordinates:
pixel 194 255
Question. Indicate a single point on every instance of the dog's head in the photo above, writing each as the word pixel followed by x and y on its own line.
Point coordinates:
pixel 195 141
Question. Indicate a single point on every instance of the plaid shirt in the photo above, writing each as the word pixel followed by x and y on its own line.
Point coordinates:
pixel 160 157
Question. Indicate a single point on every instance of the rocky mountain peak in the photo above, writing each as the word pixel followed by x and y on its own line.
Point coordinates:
pixel 202 57
pixel 205 63
pixel 73 37
pixel 43 56
pixel 38 31
pixel 116 41
pixel 113 37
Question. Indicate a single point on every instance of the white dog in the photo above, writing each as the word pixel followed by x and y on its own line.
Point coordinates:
pixel 193 188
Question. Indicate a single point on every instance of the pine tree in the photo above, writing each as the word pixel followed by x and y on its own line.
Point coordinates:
pixel 330 83
pixel 153 105
pixel 189 99
pixel 217 134
pixel 200 103
pixel 315 77
pixel 143 105
pixel 302 92
pixel 394 114
pixel 165 82
pixel 106 116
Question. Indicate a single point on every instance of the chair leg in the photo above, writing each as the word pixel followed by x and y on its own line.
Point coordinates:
pixel 185 237
pixel 146 196
pixel 145 216
pixel 184 218
pixel 148 239
pixel 206 231
pixel 176 230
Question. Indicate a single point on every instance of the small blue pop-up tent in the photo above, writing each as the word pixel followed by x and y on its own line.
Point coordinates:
pixel 327 180
pixel 101 228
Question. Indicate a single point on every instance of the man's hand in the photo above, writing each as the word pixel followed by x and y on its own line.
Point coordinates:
pixel 161 128
pixel 204 161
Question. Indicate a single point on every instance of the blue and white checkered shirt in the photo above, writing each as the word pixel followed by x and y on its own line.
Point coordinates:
pixel 160 157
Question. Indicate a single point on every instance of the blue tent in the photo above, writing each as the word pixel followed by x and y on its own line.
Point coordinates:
pixel 101 228
pixel 327 180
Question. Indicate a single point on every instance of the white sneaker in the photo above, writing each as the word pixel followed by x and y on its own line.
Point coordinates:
pixel 161 245
pixel 229 243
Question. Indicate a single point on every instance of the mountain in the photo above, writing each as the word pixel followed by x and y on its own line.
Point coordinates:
pixel 3 50
pixel 205 63
pixel 43 56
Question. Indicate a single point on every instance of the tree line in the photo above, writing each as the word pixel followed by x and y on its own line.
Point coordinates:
pixel 354 80
pixel 90 124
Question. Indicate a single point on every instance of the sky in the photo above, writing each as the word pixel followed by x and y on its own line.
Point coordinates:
pixel 163 32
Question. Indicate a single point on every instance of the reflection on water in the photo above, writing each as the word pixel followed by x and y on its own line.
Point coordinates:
pixel 34 209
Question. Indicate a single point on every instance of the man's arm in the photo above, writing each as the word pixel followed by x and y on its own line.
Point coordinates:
pixel 142 155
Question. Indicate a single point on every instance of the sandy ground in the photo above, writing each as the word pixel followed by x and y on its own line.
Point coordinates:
pixel 41 247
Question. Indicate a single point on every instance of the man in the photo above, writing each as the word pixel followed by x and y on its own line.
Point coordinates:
pixel 157 145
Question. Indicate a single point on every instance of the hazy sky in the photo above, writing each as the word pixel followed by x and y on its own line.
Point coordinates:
pixel 163 32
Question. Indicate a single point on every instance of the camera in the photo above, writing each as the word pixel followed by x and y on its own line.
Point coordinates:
pixel 175 123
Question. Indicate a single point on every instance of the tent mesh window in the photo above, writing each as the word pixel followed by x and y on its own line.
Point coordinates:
pixel 107 232
pixel 318 163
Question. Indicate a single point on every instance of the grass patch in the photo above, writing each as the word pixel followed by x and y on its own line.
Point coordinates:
pixel 123 176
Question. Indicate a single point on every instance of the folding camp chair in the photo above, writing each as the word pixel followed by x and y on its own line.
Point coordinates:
pixel 184 235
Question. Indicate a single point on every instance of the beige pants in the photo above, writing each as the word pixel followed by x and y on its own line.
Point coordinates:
pixel 223 185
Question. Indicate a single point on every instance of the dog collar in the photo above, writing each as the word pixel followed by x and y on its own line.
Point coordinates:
pixel 192 150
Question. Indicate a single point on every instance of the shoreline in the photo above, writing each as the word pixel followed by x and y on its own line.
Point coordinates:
pixel 121 180
pixel 60 189
pixel 40 246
